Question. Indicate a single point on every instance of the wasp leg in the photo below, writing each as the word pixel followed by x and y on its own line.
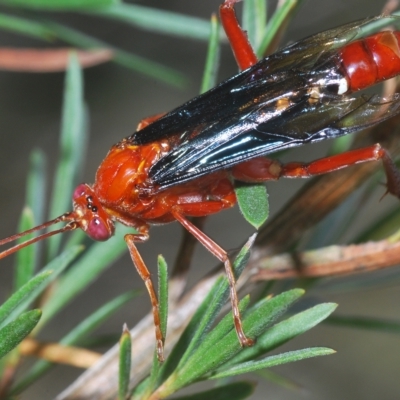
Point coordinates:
pixel 145 275
pixel 241 47
pixel 260 169
pixel 220 253
pixel 333 163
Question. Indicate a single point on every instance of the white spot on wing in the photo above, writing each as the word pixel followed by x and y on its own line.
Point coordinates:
pixel 343 86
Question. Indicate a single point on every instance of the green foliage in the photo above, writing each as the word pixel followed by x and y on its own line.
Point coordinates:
pixel 38 23
pixel 73 139
pixel 233 391
pixel 59 4
pixel 75 337
pixel 25 265
pixel 253 203
pixel 212 59
pixel 14 332
pixel 27 293
pixel 32 215
pixel 125 345
pixel 205 351
pixel 163 293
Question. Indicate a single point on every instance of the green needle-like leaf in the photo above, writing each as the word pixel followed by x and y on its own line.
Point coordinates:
pixel 92 321
pixel 256 320
pixel 25 27
pixel 128 60
pixel 32 215
pixel 210 355
pixel 163 309
pixel 36 185
pixel 284 331
pixel 20 300
pixel 72 146
pixel 212 60
pixel 95 260
pixel 16 331
pixel 74 337
pixel 163 293
pixel 125 355
pixel 219 333
pixel 220 294
pixel 274 24
pixel 58 5
pixel 254 20
pixel 200 321
pixel 378 24
pixel 272 361
pixel 234 391
pixel 49 30
pixel 159 21
pixel 25 259
pixel 22 295
pixel 206 314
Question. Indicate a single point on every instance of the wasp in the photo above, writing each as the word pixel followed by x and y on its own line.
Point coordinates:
pixel 184 163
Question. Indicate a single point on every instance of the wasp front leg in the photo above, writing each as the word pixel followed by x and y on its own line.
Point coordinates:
pixel 218 197
pixel 222 256
pixel 146 277
pixel 263 169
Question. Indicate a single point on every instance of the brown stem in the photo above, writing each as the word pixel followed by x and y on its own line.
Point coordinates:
pixel 328 261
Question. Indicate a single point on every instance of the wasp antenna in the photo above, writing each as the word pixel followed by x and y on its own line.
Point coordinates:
pixel 67 217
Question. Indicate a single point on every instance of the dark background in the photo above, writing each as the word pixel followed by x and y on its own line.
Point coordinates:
pixel 366 366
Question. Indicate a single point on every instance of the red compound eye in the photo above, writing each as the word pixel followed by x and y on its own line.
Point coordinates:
pixel 79 191
pixel 98 230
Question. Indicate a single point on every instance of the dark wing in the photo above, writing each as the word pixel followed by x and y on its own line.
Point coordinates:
pixel 225 145
pixel 239 119
pixel 220 102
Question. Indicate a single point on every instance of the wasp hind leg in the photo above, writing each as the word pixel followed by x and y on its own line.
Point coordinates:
pixel 263 169
pixel 241 47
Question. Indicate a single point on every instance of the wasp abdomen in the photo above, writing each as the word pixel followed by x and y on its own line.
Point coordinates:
pixel 371 60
